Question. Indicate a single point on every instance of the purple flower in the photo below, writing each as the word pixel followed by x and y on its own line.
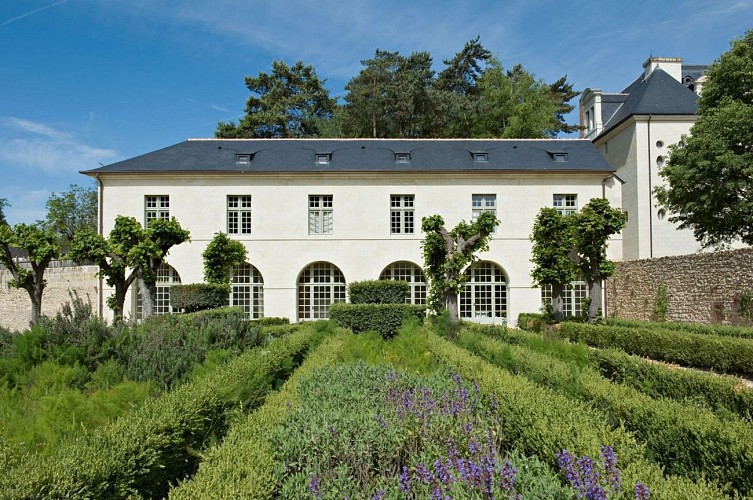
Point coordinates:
pixel 609 464
pixel 405 482
pixel 443 472
pixel 507 477
pixel 379 495
pixel 314 484
pixel 641 491
pixel 424 474
pixel 381 421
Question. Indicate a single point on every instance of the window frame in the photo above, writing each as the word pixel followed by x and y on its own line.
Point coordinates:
pixel 564 208
pixel 160 210
pixel 241 213
pixel 402 214
pixel 323 215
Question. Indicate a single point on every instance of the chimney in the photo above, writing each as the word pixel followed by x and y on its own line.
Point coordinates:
pixel 671 65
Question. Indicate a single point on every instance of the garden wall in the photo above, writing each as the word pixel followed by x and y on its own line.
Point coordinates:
pixel 701 288
pixel 15 306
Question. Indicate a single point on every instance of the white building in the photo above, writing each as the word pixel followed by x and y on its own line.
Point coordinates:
pixel 318 214
pixel 633 130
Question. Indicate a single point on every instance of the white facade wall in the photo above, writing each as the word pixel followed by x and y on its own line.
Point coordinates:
pixel 634 148
pixel 361 245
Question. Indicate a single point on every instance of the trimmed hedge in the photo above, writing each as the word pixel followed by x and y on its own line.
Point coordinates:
pixel 538 421
pixel 199 296
pixel 705 351
pixel 717 392
pixel 242 466
pixel 378 292
pixel 533 322
pixel 385 319
pixel 145 451
pixel 271 321
pixel 721 330
pixel 687 440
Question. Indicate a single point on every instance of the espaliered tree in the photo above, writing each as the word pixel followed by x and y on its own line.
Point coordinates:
pixel 551 255
pixel 589 231
pixel 41 246
pixel 130 252
pixel 448 253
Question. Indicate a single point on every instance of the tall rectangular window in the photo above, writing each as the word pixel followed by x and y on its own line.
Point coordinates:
pixel 401 214
pixel 238 214
pixel 565 204
pixel 320 214
pixel 156 207
pixel 483 203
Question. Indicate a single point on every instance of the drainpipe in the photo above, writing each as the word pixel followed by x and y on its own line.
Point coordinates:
pixel 650 197
pixel 100 229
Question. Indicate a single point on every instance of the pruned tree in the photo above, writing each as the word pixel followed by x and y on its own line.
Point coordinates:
pixel 551 255
pixel 220 256
pixel 129 253
pixel 448 253
pixel 41 247
pixel 289 102
pixel 709 179
pixel 590 229
pixel 71 212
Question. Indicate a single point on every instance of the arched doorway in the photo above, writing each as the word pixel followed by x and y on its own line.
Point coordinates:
pixel 484 296
pixel 320 285
pixel 410 273
pixel 247 290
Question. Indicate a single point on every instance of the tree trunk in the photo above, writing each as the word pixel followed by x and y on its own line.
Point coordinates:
pixel 594 306
pixel 451 299
pixel 119 301
pixel 36 303
pixel 148 292
pixel 558 290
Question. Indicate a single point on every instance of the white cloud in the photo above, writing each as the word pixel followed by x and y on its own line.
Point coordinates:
pixel 36 146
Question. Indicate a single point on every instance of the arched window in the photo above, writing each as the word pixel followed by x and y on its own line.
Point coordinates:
pixel 411 273
pixel 247 290
pixel 320 285
pixel 485 293
pixel 166 277
pixel 574 297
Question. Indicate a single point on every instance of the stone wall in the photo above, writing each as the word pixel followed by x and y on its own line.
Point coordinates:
pixel 702 287
pixel 15 306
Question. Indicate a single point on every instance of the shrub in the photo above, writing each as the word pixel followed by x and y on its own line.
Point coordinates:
pixel 539 422
pixel 688 441
pixel 385 319
pixel 145 451
pixel 705 351
pixel 199 296
pixel 272 321
pixel 378 292
pixel 720 330
pixel 533 322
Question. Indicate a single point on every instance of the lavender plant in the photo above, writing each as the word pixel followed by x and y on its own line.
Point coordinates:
pixel 594 480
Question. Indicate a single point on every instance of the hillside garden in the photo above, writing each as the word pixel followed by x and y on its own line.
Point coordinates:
pixel 211 405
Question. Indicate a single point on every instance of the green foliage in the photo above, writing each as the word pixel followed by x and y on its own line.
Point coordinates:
pixel 724 354
pixel 385 319
pixel 41 247
pixel 199 296
pixel 271 321
pixel 378 292
pixel 129 252
pixel 165 348
pixel 71 212
pixel 289 102
pixel 661 304
pixel 148 449
pixel 3 204
pixel 539 422
pixel 745 305
pixel 689 441
pixel 701 329
pixel 533 321
pixel 448 253
pixel 220 256
pixel 709 178
pixel 552 243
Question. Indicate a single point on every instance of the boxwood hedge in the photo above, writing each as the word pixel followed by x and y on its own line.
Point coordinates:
pixel 385 319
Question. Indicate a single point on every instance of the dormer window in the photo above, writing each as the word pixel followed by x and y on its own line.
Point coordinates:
pixel 480 157
pixel 402 157
pixel 323 158
pixel 558 156
pixel 243 158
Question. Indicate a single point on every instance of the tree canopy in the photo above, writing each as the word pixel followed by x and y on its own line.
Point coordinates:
pixel 71 212
pixel 129 253
pixel 397 96
pixel 709 179
pixel 289 102
pixel 3 203
pixel 221 254
pixel 448 253
pixel 41 247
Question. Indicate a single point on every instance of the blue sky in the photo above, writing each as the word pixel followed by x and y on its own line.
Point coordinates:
pixel 84 82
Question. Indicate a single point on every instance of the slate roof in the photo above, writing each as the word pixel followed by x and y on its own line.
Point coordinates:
pixel 363 155
pixel 658 94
